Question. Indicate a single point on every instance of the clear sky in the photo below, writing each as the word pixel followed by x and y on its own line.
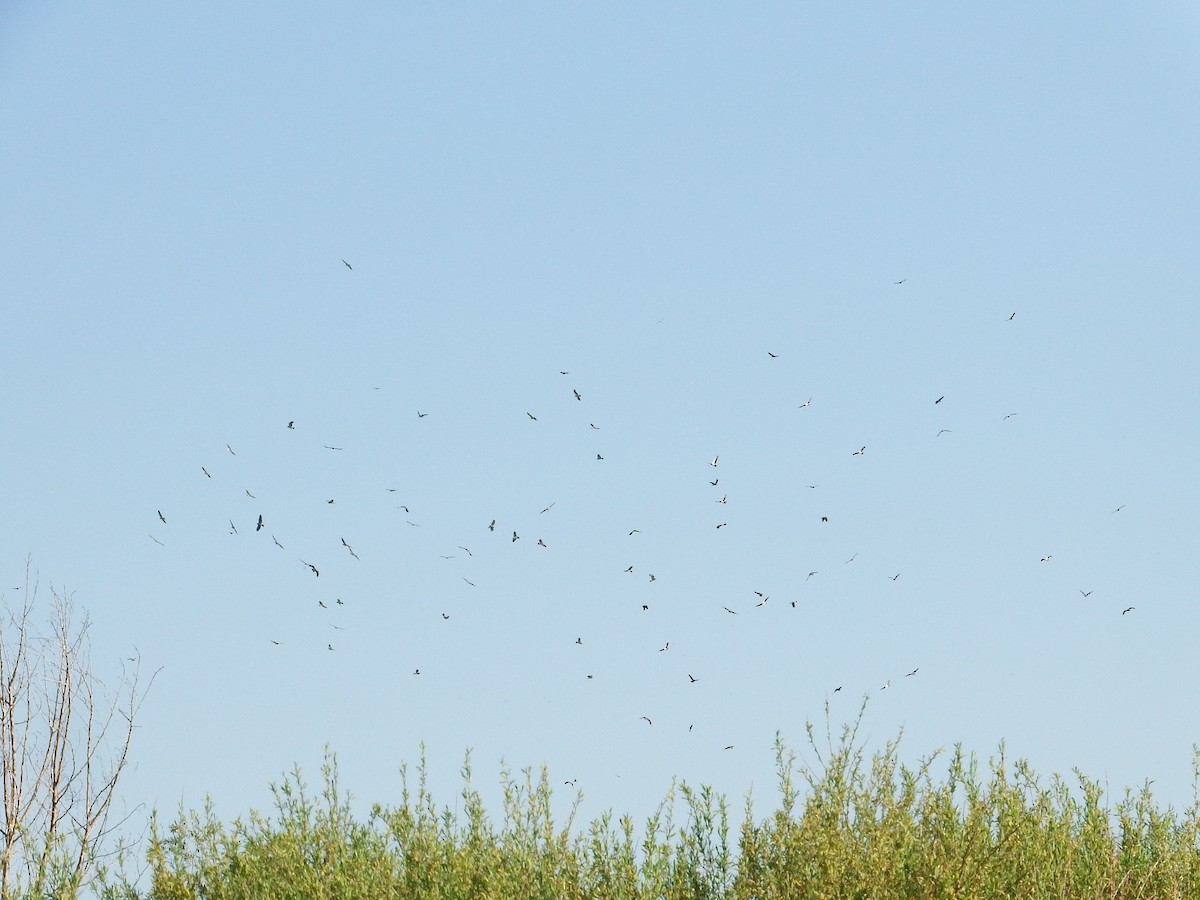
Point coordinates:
pixel 699 219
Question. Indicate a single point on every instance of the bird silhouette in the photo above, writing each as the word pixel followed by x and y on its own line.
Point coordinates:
pixel 162 517
pixel 492 527
pixel 714 461
pixel 230 449
pixel 277 544
pixel 1085 593
pixel 939 400
pixel 421 415
pixel 647 718
pixel 913 672
pixel 314 568
pixel 576 393
pixel 348 266
pixel 532 416
pixel 259 526
pixel 207 474
pixel 1128 609
pixel 692 678
pixel 516 537
pixel 859 452
pixel 292 425
pixel 232 527
pixel 772 355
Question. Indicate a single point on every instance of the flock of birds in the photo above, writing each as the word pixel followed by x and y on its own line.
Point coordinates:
pixel 259 524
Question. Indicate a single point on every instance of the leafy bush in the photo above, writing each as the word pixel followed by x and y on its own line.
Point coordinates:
pixel 848 827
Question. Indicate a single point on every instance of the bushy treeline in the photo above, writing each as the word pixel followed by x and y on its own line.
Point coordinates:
pixel 845 827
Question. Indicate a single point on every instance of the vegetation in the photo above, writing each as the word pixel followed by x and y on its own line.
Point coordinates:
pixel 64 743
pixel 847 828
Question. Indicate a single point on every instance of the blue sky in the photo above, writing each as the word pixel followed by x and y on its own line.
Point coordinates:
pixel 652 199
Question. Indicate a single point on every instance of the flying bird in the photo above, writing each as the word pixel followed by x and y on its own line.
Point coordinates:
pixel 468 581
pixel 321 603
pixel 665 647
pixel 576 393
pixel 634 531
pixel 416 671
pixel 548 508
pixel 250 495
pixel 714 482
pixel 939 400
pixel 728 610
pixel 594 427
pixel 327 447
pixel 1045 558
pixel 714 461
pixel 859 452
pixel 943 431
pixel 516 537
pixel 259 526
pixel 723 524
pixel 810 575
pixel 1013 316
pixel 824 518
pixel 330 646
pixel 724 499
pixel 579 640
pixel 292 425
pixel 1085 593
pixel 162 517
pixel 230 449
pixel 692 678
pixel 232 527
pixel 630 569
pixel 206 472
pixel 277 544
pixel 1128 609
pixel 347 265
pixel 492 527
pixel 276 643
pixel 913 672
pixel 772 355
pixel 598 456
pixel 647 718
pixel 1119 508
pixel 314 568
pixel 532 416
pixel 466 550
pixel 901 281
pixel 542 543
pixel 838 688
pixel 887 684
pixel 156 540
pixel 653 578
pixel 807 402
pixel 851 559
pixel 894 577
pixel 421 415
pixel 351 549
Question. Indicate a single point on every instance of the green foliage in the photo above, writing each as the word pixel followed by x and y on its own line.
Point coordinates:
pixel 846 826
